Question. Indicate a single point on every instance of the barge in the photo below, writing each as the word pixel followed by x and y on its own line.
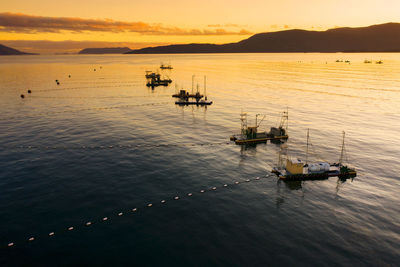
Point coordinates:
pixel 296 170
pixel 251 135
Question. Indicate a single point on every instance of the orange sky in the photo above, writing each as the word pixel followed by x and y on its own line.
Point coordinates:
pixel 142 23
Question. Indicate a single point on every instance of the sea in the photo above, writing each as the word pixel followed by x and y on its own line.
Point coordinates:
pixel 100 170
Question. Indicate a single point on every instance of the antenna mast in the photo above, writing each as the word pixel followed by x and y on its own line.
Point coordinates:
pixel 343 151
pixel 205 87
pixel 308 136
pixel 192 82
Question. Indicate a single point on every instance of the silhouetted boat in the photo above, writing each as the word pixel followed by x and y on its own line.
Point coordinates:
pixel 296 170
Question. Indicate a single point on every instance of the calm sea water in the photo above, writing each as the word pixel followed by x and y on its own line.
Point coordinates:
pixel 101 143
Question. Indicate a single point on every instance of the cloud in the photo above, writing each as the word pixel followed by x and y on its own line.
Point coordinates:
pixel 22 23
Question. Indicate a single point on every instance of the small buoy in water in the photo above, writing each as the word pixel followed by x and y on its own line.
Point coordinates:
pixel 69 76
pixel 225 185
pixel 88 223
pixel 135 209
pixel 105 219
pixel 22 96
pixel 163 201
pixel 120 214
pixel 257 178
pixel 201 191
pixel 29 91
pixel 51 233
pixel 149 205
pixel 11 244
pixel 94 69
pixel 56 81
pixel 214 188
pixel 31 239
pixel 190 194
pixel 176 198
pixel 236 182
pixel 70 228
pixel 101 67
pixel 248 180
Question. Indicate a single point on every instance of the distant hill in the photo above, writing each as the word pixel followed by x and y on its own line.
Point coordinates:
pixel 375 38
pixel 5 50
pixel 106 50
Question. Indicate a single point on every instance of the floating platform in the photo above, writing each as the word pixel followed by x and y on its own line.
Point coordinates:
pixel 335 170
pixel 257 140
pixel 197 103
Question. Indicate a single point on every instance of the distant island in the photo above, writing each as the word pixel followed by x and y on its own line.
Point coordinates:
pixel 106 50
pixel 375 38
pixel 7 51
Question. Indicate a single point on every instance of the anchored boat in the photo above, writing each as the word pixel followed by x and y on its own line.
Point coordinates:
pixel 185 96
pixel 166 67
pixel 251 135
pixel 297 170
pixel 154 80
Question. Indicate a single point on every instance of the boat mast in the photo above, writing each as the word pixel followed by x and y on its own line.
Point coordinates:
pixel 342 152
pixel 205 95
pixel 308 136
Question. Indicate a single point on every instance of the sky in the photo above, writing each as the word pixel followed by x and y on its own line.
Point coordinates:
pixel 70 25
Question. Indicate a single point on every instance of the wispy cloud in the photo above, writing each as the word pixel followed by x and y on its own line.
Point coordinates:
pixel 22 23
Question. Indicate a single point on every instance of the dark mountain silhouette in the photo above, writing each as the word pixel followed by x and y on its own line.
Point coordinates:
pixel 375 38
pixel 5 50
pixel 106 50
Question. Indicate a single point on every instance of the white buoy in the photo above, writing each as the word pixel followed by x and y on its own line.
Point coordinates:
pixel 31 239
pixel 190 194
pixel 201 191
pixel 214 188
pixel 120 214
pixel 88 223
pixel 257 178
pixel 70 228
pixel 51 233
pixel 163 201
pixel 135 209
pixel 11 244
pixel 176 198
pixel 149 205
pixel 225 185
pixel 248 180
pixel 105 219
pixel 236 182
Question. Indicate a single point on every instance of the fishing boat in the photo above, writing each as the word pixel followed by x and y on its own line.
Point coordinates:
pixel 154 80
pixel 166 67
pixel 379 62
pixel 297 170
pixel 185 96
pixel 251 135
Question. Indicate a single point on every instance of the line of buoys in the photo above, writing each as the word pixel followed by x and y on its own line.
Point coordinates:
pixel 109 147
pixel 89 223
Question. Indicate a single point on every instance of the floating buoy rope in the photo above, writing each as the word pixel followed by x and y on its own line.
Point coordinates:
pixel 104 219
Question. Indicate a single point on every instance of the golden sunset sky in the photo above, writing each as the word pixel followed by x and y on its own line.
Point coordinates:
pixel 67 26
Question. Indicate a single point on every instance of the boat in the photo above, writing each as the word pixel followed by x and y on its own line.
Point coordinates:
pixel 184 96
pixel 154 80
pixel 297 170
pixel 367 61
pixel 251 135
pixel 379 62
pixel 166 67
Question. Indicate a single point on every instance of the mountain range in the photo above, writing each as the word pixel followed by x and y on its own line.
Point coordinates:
pixel 5 50
pixel 375 38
